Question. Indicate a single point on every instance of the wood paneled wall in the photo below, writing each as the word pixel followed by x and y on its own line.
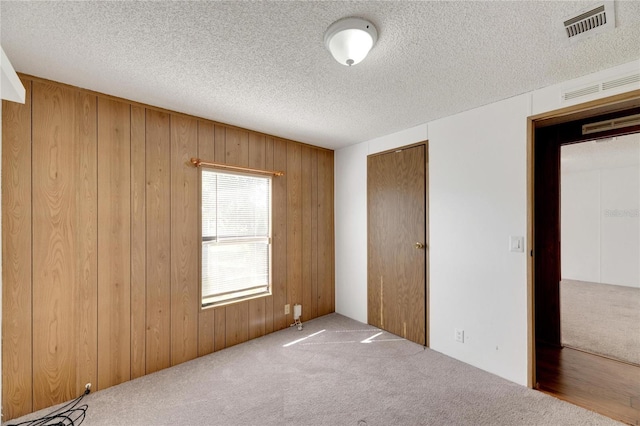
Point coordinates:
pixel 101 241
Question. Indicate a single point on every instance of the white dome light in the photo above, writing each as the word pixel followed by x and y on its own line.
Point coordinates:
pixel 349 40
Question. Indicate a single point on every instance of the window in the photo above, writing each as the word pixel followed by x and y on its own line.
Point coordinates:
pixel 236 236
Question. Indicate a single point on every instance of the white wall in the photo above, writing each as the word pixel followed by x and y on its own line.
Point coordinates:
pixel 580 225
pixel 600 225
pixel 350 165
pixel 351 218
pixel 620 228
pixel 477 188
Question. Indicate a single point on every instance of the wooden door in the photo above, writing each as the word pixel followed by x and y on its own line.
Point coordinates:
pixel 397 255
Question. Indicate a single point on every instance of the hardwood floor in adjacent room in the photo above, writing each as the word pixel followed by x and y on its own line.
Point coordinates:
pixel 600 384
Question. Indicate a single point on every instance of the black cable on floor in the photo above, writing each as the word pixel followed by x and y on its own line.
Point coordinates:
pixel 70 414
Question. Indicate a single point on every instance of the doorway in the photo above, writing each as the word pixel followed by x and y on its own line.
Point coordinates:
pixel 600 247
pixel 397 209
pixel 581 375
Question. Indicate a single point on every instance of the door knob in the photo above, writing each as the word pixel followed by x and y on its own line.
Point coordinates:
pixel 419 246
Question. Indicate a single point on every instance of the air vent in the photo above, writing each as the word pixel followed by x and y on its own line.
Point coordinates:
pixel 623 83
pixel 616 123
pixel 591 21
pixel 581 92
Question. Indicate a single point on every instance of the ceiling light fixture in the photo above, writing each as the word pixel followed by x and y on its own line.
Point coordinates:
pixel 350 39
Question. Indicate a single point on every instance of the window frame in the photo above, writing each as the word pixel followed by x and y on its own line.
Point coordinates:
pixel 269 291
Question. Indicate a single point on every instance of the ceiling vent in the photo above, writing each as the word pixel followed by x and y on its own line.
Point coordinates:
pixel 590 21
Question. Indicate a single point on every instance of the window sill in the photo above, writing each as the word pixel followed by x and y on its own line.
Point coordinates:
pixel 234 301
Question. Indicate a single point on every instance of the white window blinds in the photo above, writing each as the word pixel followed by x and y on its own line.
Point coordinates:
pixel 236 236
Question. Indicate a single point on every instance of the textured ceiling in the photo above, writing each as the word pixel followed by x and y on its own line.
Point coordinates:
pixel 263 65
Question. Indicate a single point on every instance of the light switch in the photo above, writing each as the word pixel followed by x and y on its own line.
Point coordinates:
pixel 516 244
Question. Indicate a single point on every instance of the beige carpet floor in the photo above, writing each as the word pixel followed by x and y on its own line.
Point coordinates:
pixel 601 318
pixel 335 371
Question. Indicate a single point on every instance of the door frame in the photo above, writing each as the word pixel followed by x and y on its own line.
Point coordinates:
pixel 571 113
pixel 424 143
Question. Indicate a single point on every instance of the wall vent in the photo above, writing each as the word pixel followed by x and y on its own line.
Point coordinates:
pixel 616 123
pixel 590 21
pixel 595 88
pixel 630 80
pixel 623 81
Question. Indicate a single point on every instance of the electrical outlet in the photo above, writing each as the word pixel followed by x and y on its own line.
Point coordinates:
pixel 459 335
pixel 286 309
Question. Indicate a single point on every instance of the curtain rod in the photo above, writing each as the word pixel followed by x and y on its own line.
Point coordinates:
pixel 199 163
